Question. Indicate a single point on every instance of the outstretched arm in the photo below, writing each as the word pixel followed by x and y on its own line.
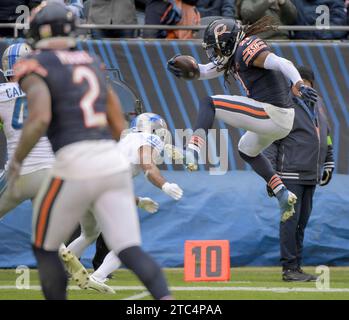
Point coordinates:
pixel 149 168
pixel 153 173
pixel 209 71
pixel 271 61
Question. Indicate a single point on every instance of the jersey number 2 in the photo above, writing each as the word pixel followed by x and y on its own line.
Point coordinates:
pixel 91 117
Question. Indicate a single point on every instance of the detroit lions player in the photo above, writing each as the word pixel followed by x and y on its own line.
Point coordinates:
pixel 13 111
pixel 267 113
pixel 142 145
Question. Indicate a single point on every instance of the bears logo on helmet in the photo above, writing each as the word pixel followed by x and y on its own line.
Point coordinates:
pixel 221 39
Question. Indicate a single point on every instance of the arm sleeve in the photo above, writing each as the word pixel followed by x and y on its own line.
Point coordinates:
pixel 209 71
pixel 286 67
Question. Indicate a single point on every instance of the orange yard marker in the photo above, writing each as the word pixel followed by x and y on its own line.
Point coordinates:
pixel 206 260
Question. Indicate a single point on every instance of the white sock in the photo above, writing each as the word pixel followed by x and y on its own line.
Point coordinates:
pixel 79 245
pixel 110 263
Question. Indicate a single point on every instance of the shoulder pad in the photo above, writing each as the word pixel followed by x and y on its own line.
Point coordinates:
pixel 250 48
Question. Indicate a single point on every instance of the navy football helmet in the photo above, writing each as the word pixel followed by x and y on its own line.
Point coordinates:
pixel 221 38
pixel 50 20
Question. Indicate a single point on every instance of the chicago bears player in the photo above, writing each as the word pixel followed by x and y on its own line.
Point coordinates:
pixel 143 145
pixel 266 113
pixel 68 98
pixel 13 111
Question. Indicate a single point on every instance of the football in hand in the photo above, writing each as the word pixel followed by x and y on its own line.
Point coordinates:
pixel 188 65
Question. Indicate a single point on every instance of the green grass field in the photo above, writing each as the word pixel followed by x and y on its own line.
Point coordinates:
pixel 246 283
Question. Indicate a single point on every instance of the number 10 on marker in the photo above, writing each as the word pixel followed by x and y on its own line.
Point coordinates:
pixel 206 260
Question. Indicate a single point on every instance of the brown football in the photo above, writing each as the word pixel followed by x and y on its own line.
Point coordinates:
pixel 188 65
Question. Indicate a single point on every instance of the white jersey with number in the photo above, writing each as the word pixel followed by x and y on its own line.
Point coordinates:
pixel 13 110
pixel 131 143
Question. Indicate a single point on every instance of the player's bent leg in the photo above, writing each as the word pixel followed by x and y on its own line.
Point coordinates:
pixel 110 264
pixel 74 267
pixel 89 233
pixel 52 275
pixel 101 252
pixel 28 186
pixel 7 203
pixel 121 232
pixel 147 270
pixel 250 147
pixel 58 208
pixel 204 122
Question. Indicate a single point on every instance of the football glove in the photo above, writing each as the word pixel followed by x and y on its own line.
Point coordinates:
pixel 172 190
pixel 326 177
pixel 179 73
pixel 148 204
pixel 308 94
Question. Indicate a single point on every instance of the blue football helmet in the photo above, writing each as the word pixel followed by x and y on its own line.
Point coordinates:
pixel 151 123
pixel 10 57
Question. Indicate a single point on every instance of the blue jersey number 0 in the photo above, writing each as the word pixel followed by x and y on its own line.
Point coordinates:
pixel 20 113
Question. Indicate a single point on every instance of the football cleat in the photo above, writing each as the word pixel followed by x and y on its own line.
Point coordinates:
pixel 72 264
pixel 287 200
pixel 98 285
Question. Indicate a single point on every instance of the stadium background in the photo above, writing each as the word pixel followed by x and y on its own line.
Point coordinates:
pixel 233 206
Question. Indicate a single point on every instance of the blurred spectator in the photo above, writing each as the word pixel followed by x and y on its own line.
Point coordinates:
pixel 76 6
pixel 112 12
pixel 283 11
pixel 347 10
pixel 307 16
pixel 223 8
pixel 163 12
pixel 8 13
pixel 190 16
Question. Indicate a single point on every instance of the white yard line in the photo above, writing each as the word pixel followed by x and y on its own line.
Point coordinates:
pixel 260 289
pixel 138 296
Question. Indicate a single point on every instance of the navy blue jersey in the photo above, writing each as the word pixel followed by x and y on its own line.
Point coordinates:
pixel 77 85
pixel 260 84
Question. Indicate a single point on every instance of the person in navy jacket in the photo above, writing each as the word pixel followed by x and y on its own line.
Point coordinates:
pixel 302 160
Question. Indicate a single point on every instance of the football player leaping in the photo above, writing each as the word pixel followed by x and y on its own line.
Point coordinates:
pixel 143 146
pixel 267 113
pixel 13 111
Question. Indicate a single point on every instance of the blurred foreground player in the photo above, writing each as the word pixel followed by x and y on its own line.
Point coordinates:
pixel 303 159
pixel 143 146
pixel 68 97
